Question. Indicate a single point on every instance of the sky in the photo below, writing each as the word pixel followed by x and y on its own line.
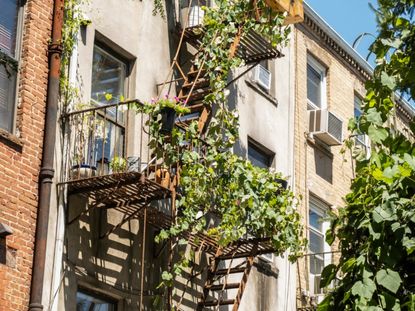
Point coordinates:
pixel 349 18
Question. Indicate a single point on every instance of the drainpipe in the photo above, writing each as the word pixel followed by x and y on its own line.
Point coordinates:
pixel 46 171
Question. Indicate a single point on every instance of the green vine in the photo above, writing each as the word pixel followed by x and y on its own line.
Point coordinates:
pixel 73 20
pixel 215 183
pixel 376 228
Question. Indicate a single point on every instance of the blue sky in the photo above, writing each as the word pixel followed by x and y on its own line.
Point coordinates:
pixel 349 18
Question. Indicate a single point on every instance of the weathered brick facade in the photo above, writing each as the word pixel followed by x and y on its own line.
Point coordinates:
pixel 20 157
pixel 322 171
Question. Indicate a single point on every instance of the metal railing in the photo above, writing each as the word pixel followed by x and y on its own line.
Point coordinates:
pixel 110 139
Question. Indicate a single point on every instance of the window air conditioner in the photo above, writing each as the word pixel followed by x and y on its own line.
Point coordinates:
pixel 325 126
pixel 263 77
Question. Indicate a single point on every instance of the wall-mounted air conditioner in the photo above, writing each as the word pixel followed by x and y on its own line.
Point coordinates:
pixel 262 76
pixel 325 126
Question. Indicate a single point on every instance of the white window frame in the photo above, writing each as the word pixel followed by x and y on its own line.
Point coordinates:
pixel 17 57
pixel 317 66
pixel 321 209
pixel 363 139
pixel 258 69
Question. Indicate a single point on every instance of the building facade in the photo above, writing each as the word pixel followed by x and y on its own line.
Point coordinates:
pixel 101 249
pixel 25 30
pixel 330 78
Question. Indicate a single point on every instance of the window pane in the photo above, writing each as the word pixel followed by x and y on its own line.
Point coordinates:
pixel 357 107
pixel 257 157
pixel 314 86
pixel 7 90
pixel 108 77
pixel 316 264
pixel 316 242
pixel 316 221
pixel 8 26
pixel 86 302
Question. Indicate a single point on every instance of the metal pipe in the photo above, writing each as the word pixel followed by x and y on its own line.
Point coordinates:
pixel 47 171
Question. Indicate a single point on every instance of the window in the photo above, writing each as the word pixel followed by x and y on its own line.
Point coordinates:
pixel 91 302
pixel 316 85
pixel 263 75
pixel 259 156
pixel 109 75
pixel 9 24
pixel 361 140
pixel 320 252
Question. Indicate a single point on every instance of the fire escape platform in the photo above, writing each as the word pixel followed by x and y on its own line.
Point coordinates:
pixel 131 193
pixel 252 48
pixel 126 192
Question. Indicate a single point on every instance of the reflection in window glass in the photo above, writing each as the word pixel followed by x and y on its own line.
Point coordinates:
pixel 314 80
pixel 8 26
pixel 316 243
pixel 7 92
pixel 258 157
pixel 87 302
pixel 108 77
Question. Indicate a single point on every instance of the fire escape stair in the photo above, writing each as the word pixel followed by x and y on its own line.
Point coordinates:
pixel 218 290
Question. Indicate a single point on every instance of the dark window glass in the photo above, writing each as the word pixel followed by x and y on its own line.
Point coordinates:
pixel 8 26
pixel 314 80
pixel 108 77
pixel 90 302
pixel 9 10
pixel 259 157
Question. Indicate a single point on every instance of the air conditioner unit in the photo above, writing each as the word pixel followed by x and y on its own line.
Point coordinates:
pixel 325 126
pixel 263 77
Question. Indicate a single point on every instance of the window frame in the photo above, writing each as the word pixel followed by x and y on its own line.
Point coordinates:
pixel 21 4
pixel 320 208
pixel 114 120
pixel 322 71
pixel 98 295
pixel 115 56
pixel 360 139
pixel 252 144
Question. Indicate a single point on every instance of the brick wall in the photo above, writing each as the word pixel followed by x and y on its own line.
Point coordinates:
pixel 321 171
pixel 20 158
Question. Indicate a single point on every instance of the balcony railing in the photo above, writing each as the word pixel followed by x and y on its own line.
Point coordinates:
pixel 110 140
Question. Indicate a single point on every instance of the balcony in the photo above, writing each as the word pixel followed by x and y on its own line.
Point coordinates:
pixel 107 161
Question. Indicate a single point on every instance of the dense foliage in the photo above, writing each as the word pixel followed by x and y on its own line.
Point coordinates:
pixel 215 183
pixel 376 229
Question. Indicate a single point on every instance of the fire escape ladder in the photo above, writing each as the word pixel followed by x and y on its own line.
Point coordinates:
pixel 225 286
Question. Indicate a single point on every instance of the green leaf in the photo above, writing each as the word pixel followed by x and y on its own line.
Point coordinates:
pixel 377 135
pixel 389 279
pixel 365 289
pixel 328 275
pixel 108 96
pixel 349 264
pixel 388 81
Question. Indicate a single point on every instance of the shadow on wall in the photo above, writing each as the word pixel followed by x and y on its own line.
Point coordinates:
pixel 110 265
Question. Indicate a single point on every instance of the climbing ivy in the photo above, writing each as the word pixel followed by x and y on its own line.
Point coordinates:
pixel 73 20
pixel 215 183
pixel 376 228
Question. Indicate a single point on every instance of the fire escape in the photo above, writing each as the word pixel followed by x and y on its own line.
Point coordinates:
pixel 135 190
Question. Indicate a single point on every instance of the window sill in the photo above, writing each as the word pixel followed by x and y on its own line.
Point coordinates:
pixel 251 83
pixel 11 140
